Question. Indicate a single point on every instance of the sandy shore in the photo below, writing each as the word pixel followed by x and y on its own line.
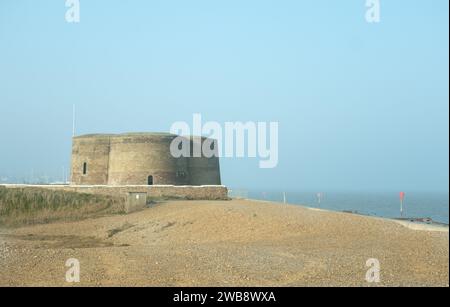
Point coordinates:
pixel 226 243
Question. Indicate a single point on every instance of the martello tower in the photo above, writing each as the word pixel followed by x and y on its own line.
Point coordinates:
pixel 138 159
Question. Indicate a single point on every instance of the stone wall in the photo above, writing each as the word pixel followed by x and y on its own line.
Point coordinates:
pixel 204 170
pixel 134 158
pixel 95 153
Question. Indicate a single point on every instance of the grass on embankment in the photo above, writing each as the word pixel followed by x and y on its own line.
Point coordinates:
pixel 27 206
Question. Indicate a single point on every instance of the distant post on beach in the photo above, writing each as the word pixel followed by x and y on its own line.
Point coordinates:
pixel 402 197
pixel 319 198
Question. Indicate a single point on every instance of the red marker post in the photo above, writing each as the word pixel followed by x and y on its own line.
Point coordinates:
pixel 402 197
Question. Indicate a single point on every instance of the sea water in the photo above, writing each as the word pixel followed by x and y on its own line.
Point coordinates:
pixel 383 204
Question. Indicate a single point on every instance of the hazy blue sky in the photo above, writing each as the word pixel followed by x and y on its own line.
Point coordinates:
pixel 360 106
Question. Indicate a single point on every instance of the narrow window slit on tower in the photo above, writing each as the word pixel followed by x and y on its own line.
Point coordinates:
pixel 84 168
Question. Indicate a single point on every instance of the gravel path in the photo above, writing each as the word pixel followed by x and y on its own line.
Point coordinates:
pixel 228 243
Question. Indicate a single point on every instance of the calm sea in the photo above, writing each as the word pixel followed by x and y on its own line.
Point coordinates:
pixel 416 205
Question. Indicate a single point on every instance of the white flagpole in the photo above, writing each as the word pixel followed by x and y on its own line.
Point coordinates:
pixel 73 121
